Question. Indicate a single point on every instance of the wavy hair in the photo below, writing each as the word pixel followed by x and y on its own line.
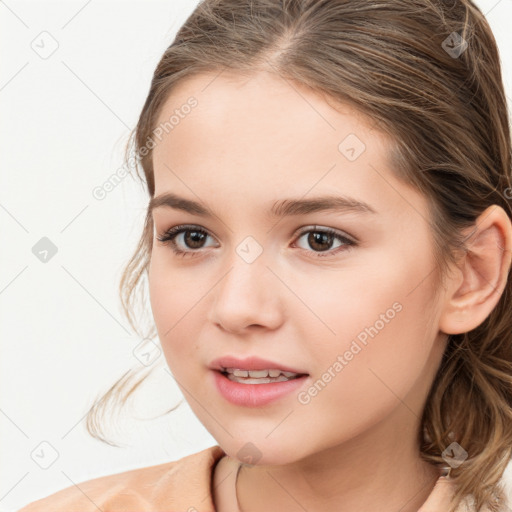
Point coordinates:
pixel 428 73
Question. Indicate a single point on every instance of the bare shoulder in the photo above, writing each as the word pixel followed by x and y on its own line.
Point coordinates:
pixel 142 489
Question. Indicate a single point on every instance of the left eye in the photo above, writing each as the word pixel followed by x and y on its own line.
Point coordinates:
pixel 192 238
pixel 318 239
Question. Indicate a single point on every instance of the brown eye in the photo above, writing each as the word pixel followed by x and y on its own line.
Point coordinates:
pixel 321 241
pixel 194 239
pixel 184 240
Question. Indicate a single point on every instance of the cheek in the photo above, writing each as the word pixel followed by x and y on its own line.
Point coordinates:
pixel 175 299
pixel 378 293
pixel 385 325
pixel 358 383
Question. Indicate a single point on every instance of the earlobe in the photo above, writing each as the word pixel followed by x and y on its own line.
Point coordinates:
pixel 482 274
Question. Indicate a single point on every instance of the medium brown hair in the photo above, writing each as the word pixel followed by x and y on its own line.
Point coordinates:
pixel 404 64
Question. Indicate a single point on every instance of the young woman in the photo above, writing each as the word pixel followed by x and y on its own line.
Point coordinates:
pixel 327 244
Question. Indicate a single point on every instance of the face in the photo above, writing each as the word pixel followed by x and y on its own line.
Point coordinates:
pixel 345 296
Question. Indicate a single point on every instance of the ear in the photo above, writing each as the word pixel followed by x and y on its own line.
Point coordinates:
pixel 481 275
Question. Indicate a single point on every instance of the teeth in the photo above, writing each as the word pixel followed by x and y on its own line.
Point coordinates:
pixel 259 380
pixel 289 374
pixel 259 374
pixel 256 374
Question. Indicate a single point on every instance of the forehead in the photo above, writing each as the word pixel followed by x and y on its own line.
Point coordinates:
pixel 227 99
pixel 263 132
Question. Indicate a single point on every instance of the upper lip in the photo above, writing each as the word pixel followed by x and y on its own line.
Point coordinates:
pixel 251 363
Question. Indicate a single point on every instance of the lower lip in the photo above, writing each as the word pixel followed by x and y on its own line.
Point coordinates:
pixel 255 395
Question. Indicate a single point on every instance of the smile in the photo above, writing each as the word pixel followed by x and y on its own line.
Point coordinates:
pixel 256 391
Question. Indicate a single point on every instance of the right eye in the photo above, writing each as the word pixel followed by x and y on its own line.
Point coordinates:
pixel 189 237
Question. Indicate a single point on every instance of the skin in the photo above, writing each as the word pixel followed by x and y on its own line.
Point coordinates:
pixel 353 447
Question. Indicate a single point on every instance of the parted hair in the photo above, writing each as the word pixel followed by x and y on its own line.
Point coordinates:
pixel 428 73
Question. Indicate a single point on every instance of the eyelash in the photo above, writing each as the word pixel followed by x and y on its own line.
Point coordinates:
pixel 167 238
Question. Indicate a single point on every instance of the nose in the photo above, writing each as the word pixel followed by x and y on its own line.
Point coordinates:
pixel 248 296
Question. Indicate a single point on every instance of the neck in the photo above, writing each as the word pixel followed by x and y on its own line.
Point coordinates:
pixel 362 475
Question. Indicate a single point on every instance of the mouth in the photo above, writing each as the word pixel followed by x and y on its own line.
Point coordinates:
pixel 255 382
pixel 259 376
pixel 256 388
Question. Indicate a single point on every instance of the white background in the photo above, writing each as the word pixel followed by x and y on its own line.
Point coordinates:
pixel 64 123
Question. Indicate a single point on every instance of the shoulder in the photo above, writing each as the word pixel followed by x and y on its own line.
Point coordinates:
pixel 183 484
pixel 441 495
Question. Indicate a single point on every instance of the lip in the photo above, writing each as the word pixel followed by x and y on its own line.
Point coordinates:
pixel 254 395
pixel 251 363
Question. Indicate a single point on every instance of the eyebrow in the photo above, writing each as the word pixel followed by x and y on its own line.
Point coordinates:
pixel 281 208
